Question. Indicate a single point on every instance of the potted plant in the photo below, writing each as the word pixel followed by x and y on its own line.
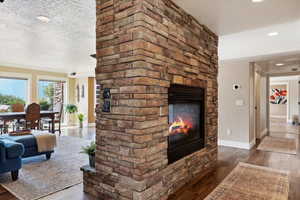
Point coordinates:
pixel 80 118
pixel 44 105
pixel 90 150
pixel 71 108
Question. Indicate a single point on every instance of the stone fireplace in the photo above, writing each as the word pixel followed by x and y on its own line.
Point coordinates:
pixel 157 117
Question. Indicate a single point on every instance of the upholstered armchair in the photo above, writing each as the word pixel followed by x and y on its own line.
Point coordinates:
pixel 10 157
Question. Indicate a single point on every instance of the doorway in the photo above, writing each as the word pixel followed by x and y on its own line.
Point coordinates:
pixel 260 105
pixel 283 105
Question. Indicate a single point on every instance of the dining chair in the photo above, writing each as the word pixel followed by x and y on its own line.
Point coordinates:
pixel 3 127
pixel 16 124
pixel 33 116
pixel 58 118
pixel 4 124
pixel 18 107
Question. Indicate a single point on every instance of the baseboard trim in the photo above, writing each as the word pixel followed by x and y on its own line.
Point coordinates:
pixel 278 116
pixel 252 143
pixel 235 144
pixel 264 133
pixel 91 124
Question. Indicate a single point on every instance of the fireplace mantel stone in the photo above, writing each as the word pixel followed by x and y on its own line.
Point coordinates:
pixel 143 46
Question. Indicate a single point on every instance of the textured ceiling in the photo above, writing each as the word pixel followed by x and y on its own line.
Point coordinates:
pixel 63 44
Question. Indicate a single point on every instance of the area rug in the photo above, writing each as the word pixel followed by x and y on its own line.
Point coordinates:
pixel 277 144
pixel 39 178
pixel 251 182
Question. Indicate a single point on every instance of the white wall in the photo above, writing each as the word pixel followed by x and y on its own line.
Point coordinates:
pixel 293 95
pixel 234 120
pixel 278 110
pixel 83 101
pixel 240 125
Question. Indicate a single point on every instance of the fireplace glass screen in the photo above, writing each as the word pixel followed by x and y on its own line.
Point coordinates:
pixel 186 121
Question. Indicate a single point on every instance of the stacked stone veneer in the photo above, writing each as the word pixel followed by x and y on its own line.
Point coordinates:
pixel 143 46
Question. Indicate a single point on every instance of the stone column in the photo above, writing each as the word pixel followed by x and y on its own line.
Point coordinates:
pixel 132 137
pixel 143 46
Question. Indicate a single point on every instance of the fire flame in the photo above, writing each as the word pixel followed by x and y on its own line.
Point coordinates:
pixel 180 126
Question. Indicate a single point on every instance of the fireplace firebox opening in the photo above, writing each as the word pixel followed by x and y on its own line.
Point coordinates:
pixel 186 121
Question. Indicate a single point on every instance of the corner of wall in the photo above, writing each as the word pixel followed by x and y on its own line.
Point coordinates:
pixel 234 116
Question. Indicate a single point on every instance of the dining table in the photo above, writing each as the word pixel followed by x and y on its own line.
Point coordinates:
pixel 9 116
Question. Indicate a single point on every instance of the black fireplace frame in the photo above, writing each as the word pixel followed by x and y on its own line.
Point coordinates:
pixel 186 94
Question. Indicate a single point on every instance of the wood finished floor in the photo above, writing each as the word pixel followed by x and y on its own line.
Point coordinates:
pixel 199 189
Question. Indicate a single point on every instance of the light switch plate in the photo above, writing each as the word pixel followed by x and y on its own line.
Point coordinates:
pixel 228 132
pixel 106 106
pixel 239 102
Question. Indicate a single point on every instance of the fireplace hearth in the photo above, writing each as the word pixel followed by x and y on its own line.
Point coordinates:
pixel 186 121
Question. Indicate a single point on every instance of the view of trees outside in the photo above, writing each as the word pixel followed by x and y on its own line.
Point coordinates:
pixel 12 91
pixel 46 94
pixel 10 99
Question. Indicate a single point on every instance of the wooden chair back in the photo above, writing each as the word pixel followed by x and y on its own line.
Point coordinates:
pixel 58 108
pixel 18 107
pixel 33 116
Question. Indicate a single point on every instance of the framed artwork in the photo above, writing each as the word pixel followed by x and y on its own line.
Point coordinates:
pixel 278 96
pixel 82 91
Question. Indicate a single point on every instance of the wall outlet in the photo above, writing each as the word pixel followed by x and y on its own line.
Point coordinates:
pixel 228 132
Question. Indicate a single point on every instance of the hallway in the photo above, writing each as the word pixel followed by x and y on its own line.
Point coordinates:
pixel 281 127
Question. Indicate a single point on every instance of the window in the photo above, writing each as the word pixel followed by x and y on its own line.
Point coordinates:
pixel 12 90
pixel 46 94
pixel 52 93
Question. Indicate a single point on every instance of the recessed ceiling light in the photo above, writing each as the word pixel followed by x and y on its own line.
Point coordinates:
pixel 279 64
pixel 43 19
pixel 273 34
pixel 257 1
